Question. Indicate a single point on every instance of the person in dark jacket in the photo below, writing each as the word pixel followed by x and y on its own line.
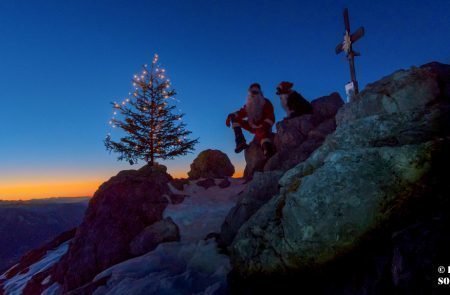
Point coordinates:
pixel 293 102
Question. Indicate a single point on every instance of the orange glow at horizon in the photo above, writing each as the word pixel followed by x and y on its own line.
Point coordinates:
pixel 48 188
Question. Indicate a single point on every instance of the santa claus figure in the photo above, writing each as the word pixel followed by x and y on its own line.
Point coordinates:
pixel 257 117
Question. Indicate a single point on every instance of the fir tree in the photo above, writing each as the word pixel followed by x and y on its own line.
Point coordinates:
pixel 151 127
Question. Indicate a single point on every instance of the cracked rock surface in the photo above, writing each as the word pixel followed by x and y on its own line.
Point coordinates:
pixel 378 173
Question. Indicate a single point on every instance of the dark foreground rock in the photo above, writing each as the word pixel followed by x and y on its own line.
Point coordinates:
pixel 224 183
pixel 206 183
pixel 179 183
pixel 403 262
pixel 211 164
pixel 119 212
pixel 359 207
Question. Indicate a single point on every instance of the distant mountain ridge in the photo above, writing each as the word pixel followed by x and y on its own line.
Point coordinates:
pixel 46 200
pixel 25 225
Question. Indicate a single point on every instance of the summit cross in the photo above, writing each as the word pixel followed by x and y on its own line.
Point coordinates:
pixel 346 46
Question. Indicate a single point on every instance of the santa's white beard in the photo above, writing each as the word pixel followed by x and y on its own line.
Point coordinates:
pixel 254 108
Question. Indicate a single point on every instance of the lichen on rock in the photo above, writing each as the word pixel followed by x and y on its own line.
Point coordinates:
pixel 377 173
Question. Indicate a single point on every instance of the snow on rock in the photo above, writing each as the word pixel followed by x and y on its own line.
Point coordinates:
pixel 54 289
pixel 120 210
pixel 191 266
pixel 204 210
pixel 16 284
pixel 172 268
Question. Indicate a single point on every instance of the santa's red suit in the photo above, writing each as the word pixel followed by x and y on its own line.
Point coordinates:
pixel 259 124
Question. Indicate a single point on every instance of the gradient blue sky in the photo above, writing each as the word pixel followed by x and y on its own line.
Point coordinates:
pixel 62 62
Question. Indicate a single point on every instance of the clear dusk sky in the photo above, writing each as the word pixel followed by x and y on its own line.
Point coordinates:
pixel 63 62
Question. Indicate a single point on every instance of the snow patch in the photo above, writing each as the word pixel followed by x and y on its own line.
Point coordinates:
pixel 204 211
pixel 16 284
pixel 172 268
pixel 3 276
pixel 54 289
pixel 191 266
pixel 46 280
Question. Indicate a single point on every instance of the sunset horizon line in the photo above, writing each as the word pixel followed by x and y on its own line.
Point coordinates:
pixel 23 190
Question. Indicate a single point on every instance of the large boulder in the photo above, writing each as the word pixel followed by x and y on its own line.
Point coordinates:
pixel 153 235
pixel 121 209
pixel 298 137
pixel 400 92
pixel 211 164
pixel 380 172
pixel 326 107
pixel 206 183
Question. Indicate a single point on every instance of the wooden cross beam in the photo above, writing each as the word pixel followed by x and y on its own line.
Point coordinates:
pixel 346 46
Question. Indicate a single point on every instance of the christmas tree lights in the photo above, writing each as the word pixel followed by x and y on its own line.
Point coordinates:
pixel 152 129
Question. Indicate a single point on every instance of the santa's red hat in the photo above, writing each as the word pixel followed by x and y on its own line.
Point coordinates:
pixel 284 87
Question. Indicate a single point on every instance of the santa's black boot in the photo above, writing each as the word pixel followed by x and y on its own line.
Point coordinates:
pixel 268 150
pixel 240 140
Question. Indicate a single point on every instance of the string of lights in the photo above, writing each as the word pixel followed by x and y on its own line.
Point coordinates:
pixel 138 78
pixel 148 118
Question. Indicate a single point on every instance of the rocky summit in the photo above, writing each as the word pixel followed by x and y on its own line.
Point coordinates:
pixel 116 225
pixel 354 202
pixel 361 204
pixel 296 138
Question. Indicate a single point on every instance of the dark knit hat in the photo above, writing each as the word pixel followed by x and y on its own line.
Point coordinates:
pixel 284 87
